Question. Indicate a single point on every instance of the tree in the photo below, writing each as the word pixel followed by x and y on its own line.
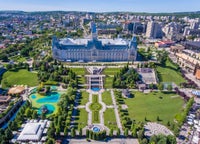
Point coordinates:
pixel 141 134
pixel 4 58
pixel 118 132
pixel 43 116
pixel 34 115
pixel 169 87
pixel 28 112
pixel 65 131
pixel 50 141
pixel 80 132
pixel 87 133
pixel 134 132
pixel 8 134
pixel 158 118
pixel 126 132
pixel 111 132
pixel 58 131
pixel 51 133
pixel 73 132
pixel 160 86
pixel 151 86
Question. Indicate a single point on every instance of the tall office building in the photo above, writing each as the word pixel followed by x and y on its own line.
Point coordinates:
pixel 153 30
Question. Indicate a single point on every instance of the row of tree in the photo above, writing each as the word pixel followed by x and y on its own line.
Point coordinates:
pixel 126 78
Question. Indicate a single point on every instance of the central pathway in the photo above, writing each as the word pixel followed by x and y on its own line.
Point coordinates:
pixel 116 112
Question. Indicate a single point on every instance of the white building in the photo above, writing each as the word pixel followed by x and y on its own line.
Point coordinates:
pixel 33 131
pixel 103 50
pixel 153 30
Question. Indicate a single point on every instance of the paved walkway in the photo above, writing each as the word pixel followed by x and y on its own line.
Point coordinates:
pixel 111 141
pixel 102 110
pixel 87 107
pixel 116 112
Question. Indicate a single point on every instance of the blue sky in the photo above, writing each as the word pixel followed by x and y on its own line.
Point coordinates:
pixel 102 5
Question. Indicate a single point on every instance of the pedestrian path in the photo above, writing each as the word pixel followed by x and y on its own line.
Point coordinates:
pixel 87 107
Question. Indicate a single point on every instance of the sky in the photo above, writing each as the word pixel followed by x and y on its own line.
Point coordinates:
pixel 102 5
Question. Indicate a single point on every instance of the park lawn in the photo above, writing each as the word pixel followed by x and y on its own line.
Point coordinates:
pixel 95 107
pixel 79 71
pixel 84 97
pixel 111 71
pixel 108 82
pixel 151 105
pixel 106 98
pixel 169 73
pixel 110 119
pixel 20 77
pixel 82 118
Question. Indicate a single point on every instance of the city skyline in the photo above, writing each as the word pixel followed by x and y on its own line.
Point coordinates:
pixel 155 6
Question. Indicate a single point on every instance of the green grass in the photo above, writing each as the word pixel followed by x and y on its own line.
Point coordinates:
pixel 169 73
pixel 109 119
pixel 108 82
pixel 82 118
pixel 79 71
pixel 21 77
pixel 111 71
pixel 84 97
pixel 106 98
pixel 95 107
pixel 152 105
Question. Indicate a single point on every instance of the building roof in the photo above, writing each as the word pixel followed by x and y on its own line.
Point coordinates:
pixel 197 74
pixel 192 43
pixel 4 99
pixel 32 131
pixel 70 41
pixel 16 90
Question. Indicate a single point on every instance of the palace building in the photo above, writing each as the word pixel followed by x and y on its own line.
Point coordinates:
pixel 94 49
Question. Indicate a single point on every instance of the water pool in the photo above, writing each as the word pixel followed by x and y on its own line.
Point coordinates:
pixel 96 129
pixel 96 89
pixel 50 109
pixel 50 101
pixel 50 98
pixel 33 96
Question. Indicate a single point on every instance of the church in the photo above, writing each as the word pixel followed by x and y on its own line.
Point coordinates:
pixel 94 49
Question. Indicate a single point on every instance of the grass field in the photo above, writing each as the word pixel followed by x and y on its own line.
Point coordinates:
pixel 79 71
pixel 95 107
pixel 84 97
pixel 81 118
pixel 109 119
pixel 111 71
pixel 108 81
pixel 154 104
pixel 106 98
pixel 21 77
pixel 169 73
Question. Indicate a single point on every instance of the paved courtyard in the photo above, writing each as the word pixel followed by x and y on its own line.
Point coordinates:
pixel 155 129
